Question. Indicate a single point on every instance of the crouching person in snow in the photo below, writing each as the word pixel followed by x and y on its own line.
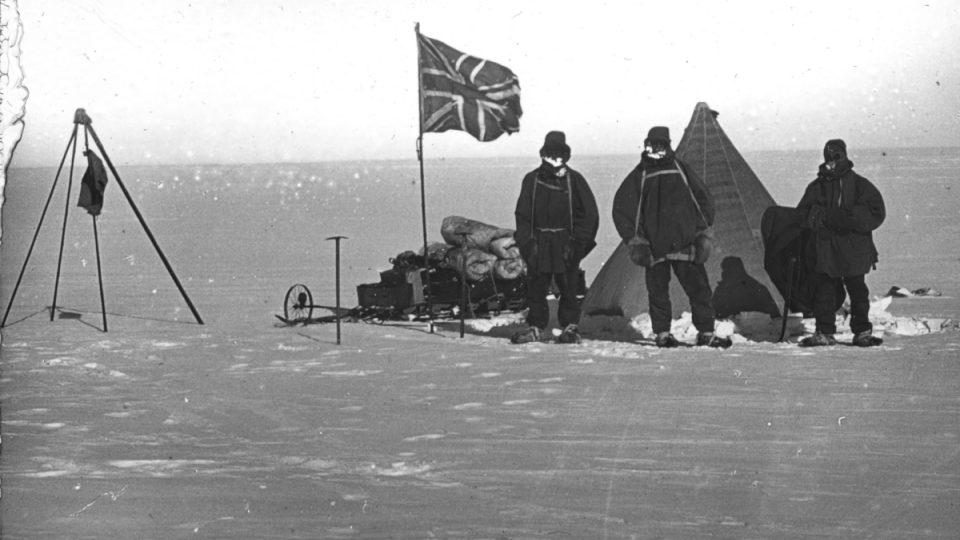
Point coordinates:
pixel 663 212
pixel 557 221
pixel 842 208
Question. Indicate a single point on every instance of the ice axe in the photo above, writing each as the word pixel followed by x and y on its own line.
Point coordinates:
pixel 336 240
pixel 786 301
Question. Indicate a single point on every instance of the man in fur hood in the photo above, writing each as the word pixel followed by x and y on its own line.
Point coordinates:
pixel 663 211
pixel 843 209
pixel 557 222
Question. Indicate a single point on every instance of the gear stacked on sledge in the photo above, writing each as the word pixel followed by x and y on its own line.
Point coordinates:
pixel 486 255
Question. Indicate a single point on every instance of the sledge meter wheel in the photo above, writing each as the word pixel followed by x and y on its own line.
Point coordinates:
pixel 298 304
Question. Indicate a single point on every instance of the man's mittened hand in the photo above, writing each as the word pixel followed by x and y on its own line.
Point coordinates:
pixel 641 255
pixel 816 217
pixel 529 250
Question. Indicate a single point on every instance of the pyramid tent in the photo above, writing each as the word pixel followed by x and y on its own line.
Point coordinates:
pixel 735 267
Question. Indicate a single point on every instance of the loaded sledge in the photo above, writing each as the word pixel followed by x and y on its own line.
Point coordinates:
pixel 479 261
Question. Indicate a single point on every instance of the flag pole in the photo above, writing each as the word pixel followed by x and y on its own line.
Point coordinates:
pixel 463 282
pixel 423 192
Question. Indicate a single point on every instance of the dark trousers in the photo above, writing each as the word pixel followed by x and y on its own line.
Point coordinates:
pixel 693 279
pixel 825 303
pixel 538 285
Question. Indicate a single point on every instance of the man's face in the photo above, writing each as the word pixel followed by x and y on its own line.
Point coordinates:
pixel 833 153
pixel 556 161
pixel 656 149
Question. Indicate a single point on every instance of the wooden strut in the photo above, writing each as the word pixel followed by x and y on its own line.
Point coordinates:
pixel 96 242
pixel 82 116
pixel 36 231
pixel 63 231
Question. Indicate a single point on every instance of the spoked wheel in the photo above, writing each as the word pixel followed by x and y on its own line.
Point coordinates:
pixel 298 304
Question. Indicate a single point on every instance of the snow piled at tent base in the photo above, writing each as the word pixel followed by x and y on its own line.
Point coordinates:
pixel 742 328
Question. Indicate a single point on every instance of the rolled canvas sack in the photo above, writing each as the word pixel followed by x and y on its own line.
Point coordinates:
pixel 458 230
pixel 474 263
pixel 505 247
pixel 509 268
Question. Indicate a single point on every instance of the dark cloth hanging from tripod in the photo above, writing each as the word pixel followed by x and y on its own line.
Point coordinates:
pixel 785 238
pixel 93 184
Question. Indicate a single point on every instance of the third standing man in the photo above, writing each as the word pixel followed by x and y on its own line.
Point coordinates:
pixel 843 209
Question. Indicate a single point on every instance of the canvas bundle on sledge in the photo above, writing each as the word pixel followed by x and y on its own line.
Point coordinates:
pixel 486 255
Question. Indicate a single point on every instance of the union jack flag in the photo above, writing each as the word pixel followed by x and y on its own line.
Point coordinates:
pixel 466 93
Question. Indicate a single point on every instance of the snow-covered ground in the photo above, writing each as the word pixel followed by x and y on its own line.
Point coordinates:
pixel 246 428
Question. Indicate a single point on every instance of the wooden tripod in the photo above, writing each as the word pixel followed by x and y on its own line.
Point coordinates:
pixel 80 118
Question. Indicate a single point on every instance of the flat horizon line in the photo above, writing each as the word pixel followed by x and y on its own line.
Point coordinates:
pixel 882 150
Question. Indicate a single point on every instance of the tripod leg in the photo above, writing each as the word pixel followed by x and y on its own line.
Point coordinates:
pixel 143 224
pixel 36 231
pixel 96 242
pixel 63 232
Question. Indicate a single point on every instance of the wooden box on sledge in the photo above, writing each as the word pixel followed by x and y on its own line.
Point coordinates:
pixel 379 295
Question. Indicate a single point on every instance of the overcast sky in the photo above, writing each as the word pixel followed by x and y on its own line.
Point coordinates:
pixel 309 80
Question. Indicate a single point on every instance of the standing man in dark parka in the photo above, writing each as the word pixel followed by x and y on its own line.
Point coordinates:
pixel 557 221
pixel 664 212
pixel 843 209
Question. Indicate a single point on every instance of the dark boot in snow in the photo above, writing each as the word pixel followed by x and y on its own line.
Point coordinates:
pixel 818 340
pixel 529 335
pixel 570 334
pixel 867 339
pixel 709 339
pixel 665 340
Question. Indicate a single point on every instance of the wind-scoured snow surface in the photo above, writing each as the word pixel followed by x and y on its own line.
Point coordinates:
pixel 243 427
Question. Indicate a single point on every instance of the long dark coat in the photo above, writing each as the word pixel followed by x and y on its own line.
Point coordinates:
pixel 669 219
pixel 853 209
pixel 550 238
